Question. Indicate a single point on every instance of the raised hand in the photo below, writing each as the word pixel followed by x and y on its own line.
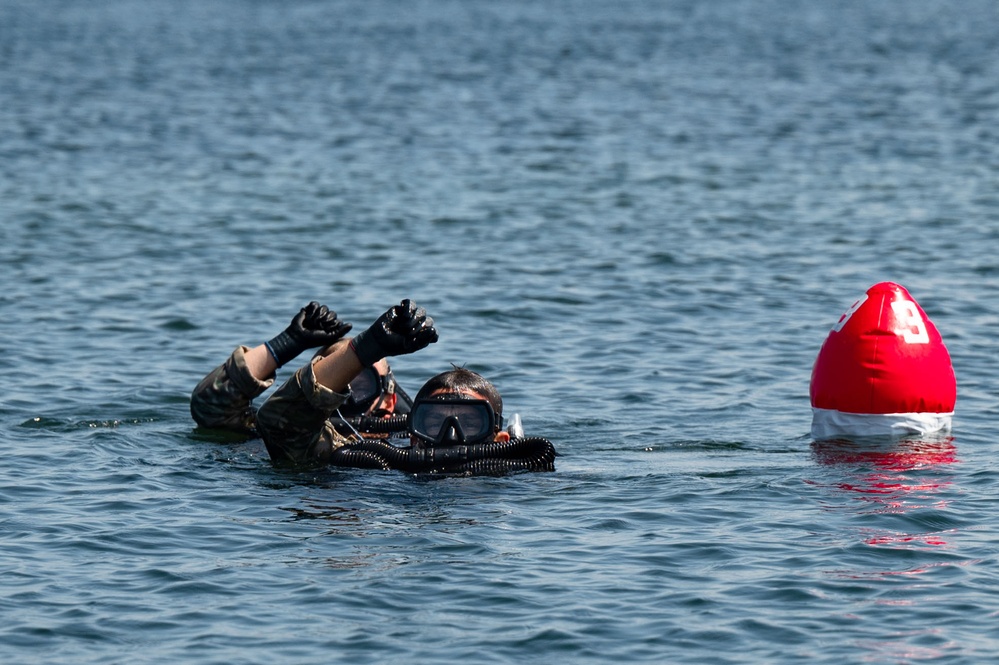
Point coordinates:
pixel 402 329
pixel 314 325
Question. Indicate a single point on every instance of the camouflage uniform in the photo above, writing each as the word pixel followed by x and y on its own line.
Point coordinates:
pixel 292 422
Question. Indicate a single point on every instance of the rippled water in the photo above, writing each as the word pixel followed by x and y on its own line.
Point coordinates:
pixel 639 218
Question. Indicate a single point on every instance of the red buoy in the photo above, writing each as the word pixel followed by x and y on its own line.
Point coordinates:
pixel 883 370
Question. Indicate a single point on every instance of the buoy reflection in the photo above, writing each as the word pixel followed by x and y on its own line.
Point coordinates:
pixel 893 476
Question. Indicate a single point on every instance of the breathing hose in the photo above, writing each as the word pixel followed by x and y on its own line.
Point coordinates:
pixel 496 458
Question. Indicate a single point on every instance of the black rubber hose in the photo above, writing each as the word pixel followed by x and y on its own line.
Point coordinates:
pixel 496 467
pixel 358 459
pixel 525 454
pixel 379 425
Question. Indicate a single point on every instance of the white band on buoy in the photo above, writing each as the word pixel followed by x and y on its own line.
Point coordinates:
pixel 829 424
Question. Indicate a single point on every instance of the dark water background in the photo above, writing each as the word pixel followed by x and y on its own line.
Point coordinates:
pixel 639 218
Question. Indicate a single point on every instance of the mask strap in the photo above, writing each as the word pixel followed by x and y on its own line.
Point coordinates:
pixel 377 403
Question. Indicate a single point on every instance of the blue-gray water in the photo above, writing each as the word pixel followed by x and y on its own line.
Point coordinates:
pixel 639 218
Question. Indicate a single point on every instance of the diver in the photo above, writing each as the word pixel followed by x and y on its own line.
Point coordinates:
pixel 454 424
pixel 223 399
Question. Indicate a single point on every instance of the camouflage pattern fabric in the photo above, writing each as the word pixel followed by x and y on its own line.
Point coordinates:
pixel 292 422
pixel 223 399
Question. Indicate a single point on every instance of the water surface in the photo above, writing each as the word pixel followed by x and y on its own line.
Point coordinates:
pixel 639 218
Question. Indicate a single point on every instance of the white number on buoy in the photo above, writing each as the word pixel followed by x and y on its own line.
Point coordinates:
pixel 910 324
pixel 848 313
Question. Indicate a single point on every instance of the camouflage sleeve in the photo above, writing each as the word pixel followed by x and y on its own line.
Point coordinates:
pixel 293 421
pixel 223 398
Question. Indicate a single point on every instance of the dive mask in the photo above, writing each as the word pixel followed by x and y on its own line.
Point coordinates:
pixel 365 388
pixel 448 420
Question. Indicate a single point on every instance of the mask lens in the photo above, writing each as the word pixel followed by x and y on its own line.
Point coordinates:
pixel 473 420
pixel 365 386
pixel 364 390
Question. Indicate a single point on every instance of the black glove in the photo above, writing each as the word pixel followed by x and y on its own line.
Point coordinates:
pixel 315 325
pixel 403 329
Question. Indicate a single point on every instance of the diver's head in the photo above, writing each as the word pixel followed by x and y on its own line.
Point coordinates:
pixel 457 407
